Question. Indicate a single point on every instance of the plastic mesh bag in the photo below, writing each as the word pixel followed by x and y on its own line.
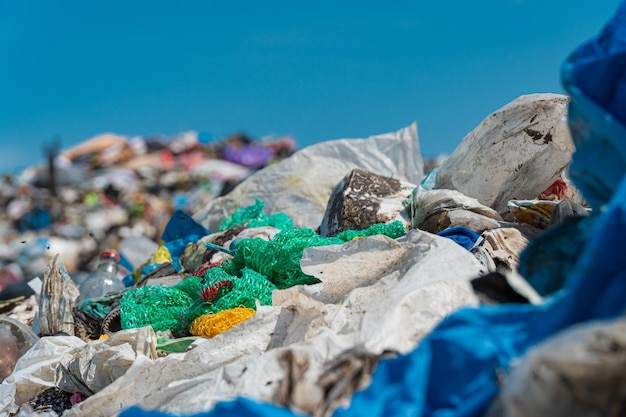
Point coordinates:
pixel 210 325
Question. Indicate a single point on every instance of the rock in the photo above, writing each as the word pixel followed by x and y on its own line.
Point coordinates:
pixel 363 199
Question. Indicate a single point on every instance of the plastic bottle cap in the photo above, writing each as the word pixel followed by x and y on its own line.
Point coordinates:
pixel 110 254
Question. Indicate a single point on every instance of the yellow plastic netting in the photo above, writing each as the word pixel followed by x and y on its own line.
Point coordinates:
pixel 210 325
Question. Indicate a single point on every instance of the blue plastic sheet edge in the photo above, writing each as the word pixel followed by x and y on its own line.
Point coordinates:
pixel 181 230
pixel 461 235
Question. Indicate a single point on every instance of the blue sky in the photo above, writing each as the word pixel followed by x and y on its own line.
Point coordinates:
pixel 317 70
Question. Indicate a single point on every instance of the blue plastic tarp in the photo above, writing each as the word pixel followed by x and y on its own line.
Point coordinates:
pixel 597 67
pixel 595 78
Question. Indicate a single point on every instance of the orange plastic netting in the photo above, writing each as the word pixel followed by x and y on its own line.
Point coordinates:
pixel 210 325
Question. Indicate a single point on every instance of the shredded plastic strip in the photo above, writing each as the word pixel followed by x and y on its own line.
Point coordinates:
pixel 213 292
pixel 202 270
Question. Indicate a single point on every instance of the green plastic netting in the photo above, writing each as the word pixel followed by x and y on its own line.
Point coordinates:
pixel 257 268
pixel 174 308
pixel 393 230
pixel 227 291
pixel 253 216
pixel 191 286
pixel 154 305
pixel 247 288
pixel 279 258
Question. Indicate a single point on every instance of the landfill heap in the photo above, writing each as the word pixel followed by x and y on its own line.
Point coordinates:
pixel 344 280
pixel 110 189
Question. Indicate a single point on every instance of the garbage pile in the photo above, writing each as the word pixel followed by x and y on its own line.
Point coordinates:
pixel 344 280
pixel 112 190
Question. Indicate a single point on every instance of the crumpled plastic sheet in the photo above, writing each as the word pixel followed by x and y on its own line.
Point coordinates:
pixel 504 246
pixel 596 67
pixel 305 180
pixel 516 152
pixel 578 372
pixel 410 285
pixel 207 372
pixel 392 292
pixel 461 235
pixel 93 365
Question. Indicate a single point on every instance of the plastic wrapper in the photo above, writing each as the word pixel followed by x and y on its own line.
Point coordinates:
pixel 437 210
pixel 58 296
pixel 534 212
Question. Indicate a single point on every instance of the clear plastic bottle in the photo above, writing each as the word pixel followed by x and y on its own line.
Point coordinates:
pixel 104 279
